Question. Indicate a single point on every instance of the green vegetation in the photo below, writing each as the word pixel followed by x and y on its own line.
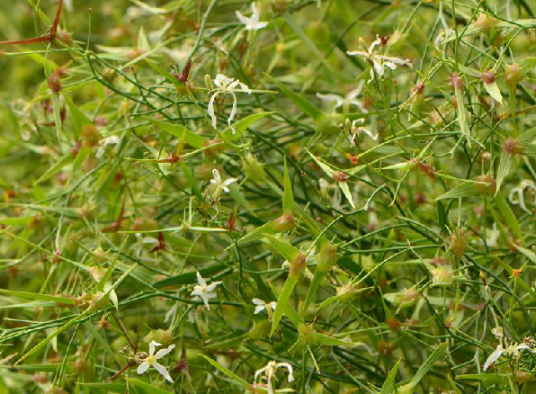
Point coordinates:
pixel 310 196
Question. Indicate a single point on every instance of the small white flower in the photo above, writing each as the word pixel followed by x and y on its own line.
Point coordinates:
pixel 111 140
pixel 379 61
pixel 493 236
pixel 225 85
pixel 513 350
pixel 269 371
pixel 519 192
pixel 204 291
pixel 220 185
pixel 355 129
pixel 152 360
pixel 253 22
pixel 345 102
pixel 261 305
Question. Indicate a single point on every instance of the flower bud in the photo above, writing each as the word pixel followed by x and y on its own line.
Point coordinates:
pixel 165 337
pixel 458 243
pixel 90 135
pixel 54 83
pixel 488 77
pixel 486 22
pixel 65 37
pixel 284 222
pixel 456 81
pixel 208 82
pixel 394 324
pixel 487 184
pixel 512 146
pixel 404 298
pixel 512 75
pixel 297 266
pixel 326 258
pixel 385 348
pixel 442 276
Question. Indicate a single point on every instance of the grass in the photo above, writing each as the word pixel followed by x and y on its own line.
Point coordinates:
pixel 338 200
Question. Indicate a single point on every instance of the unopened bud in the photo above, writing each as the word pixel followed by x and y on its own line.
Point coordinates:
pixel 488 77
pixel 512 146
pixel 54 83
pixel 284 222
pixel 327 258
pixel 486 184
pixel 458 243
pixel 456 81
pixel 512 75
pixel 297 266
pixel 90 135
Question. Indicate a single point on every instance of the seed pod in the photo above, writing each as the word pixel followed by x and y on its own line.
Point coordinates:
pixel 297 266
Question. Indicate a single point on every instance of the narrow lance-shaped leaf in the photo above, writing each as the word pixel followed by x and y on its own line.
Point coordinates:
pixel 424 369
pixel 505 164
pixel 234 377
pixel 389 384
pixel 462 115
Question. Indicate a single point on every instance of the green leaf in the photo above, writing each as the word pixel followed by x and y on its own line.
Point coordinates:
pixel 236 194
pixel 65 160
pixel 189 277
pixel 285 249
pixel 282 301
pixel 242 125
pixel 327 340
pixel 466 189
pixel 177 130
pixel 148 387
pixel 389 384
pixel 505 164
pixel 494 91
pixel 426 366
pixel 288 198
pixel 508 215
pixel 39 297
pixel 462 115
pixel 234 377
pixel 306 106
pixel 79 118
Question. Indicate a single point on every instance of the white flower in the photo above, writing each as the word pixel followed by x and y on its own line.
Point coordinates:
pixel 112 140
pixel 220 185
pixel 379 61
pixel 253 22
pixel 513 350
pixel 152 360
pixel 225 86
pixel 261 305
pixel 494 234
pixel 269 371
pixel 355 129
pixel 203 291
pixel 519 192
pixel 345 102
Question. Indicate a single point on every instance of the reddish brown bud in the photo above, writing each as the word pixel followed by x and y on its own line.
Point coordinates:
pixel 512 146
pixel 393 324
pixel 340 177
pixel 488 77
pixel 456 81
pixel 54 83
pixel 458 243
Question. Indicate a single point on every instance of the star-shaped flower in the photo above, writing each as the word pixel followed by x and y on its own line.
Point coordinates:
pixel 379 61
pixel 204 291
pixel 269 371
pixel 253 22
pixel 152 360
pixel 261 305
pixel 219 183
pixel 225 85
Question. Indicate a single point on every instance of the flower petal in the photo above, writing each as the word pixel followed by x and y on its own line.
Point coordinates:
pixel 152 347
pixel 211 110
pixel 142 368
pixel 492 358
pixel 163 371
pixel 163 352
pixel 200 279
